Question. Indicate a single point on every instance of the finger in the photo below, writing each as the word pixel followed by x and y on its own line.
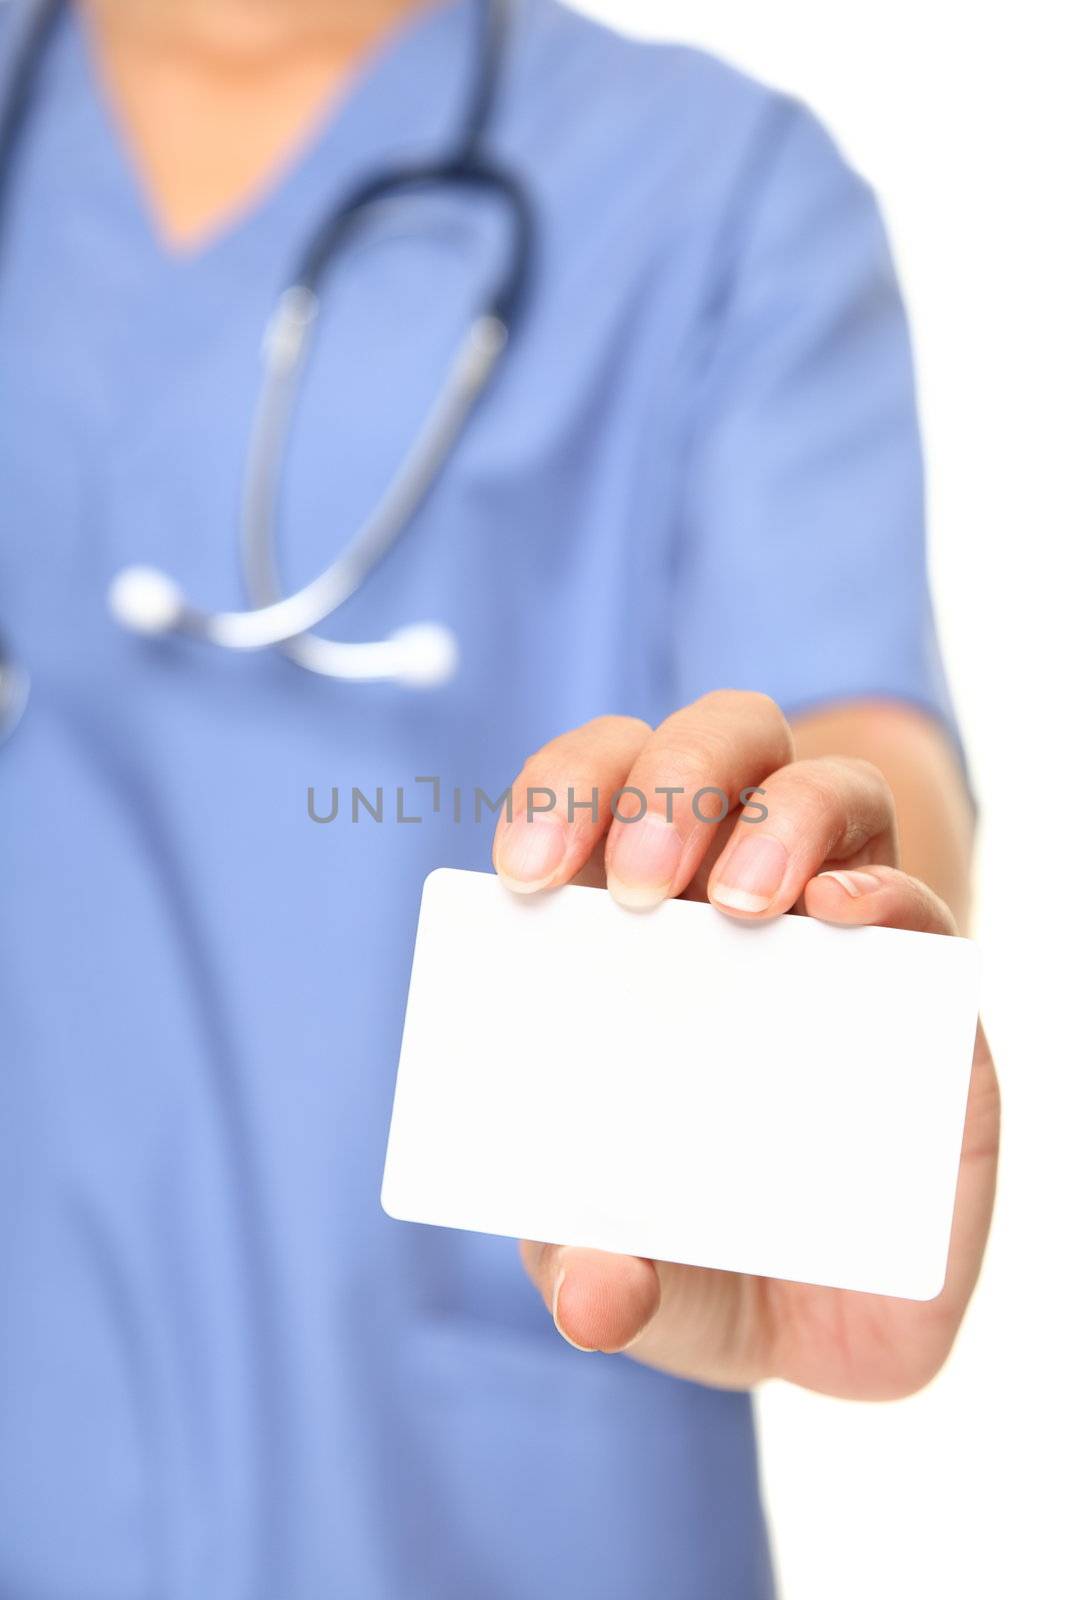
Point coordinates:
pixel 828 811
pixel 977 1184
pixel 560 805
pixel 877 896
pixel 685 781
pixel 697 888
pixel 598 1301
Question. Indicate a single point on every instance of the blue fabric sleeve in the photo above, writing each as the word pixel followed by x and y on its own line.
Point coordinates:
pixel 802 568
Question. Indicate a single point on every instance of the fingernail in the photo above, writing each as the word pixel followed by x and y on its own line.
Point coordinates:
pixel 531 850
pixel 751 875
pixel 586 1349
pixel 644 860
pixel 855 883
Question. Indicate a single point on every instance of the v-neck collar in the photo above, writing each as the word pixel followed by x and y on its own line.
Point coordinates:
pixel 402 101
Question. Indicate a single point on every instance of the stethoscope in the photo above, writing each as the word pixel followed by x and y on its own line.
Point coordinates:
pixel 148 601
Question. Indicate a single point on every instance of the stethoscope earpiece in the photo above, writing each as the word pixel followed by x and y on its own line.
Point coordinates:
pixel 427 655
pixel 146 601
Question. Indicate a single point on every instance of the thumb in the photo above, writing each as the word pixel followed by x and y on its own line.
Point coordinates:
pixel 598 1301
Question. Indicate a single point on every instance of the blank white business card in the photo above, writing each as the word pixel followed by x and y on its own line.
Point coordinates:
pixel 782 1098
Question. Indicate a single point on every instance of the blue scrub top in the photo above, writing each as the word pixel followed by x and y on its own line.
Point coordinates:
pixel 224 1372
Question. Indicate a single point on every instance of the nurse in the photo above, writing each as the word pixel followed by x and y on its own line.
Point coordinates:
pixel 679 544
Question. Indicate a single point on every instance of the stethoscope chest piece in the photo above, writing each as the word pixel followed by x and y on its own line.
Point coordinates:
pixel 14 692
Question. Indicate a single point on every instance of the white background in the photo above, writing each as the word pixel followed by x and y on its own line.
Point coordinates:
pixel 956 113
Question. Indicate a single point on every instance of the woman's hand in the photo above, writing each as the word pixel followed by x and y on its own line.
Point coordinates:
pixel 827 846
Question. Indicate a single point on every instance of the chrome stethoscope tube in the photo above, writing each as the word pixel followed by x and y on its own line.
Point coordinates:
pixel 147 601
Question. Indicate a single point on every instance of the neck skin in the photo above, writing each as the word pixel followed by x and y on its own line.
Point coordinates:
pixel 239 34
pixel 214 97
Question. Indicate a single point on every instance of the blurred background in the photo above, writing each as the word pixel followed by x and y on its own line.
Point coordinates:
pixel 957 116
